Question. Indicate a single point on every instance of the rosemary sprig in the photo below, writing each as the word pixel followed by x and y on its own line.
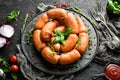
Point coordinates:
pixel 25 21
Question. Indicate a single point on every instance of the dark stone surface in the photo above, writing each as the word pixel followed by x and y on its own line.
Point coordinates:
pixel 25 6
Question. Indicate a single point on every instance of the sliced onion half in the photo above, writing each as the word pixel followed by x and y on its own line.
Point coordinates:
pixel 7 31
pixel 2 41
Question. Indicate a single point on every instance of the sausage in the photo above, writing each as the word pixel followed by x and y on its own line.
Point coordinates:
pixel 70 43
pixel 42 20
pixel 60 28
pixel 84 40
pixel 81 25
pixel 57 13
pixel 69 57
pixel 47 30
pixel 70 21
pixel 49 55
pixel 39 45
pixel 55 46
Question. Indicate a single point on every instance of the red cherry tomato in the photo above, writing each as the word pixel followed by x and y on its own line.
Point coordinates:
pixel 14 68
pixel 13 59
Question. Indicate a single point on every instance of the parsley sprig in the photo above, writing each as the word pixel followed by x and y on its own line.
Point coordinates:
pixel 60 37
pixel 13 15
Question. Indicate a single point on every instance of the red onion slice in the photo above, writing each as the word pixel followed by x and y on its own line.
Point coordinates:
pixel 2 41
pixel 7 31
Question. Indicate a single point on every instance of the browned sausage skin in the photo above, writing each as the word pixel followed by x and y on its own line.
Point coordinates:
pixel 39 45
pixel 70 21
pixel 49 55
pixel 69 57
pixel 60 28
pixel 47 30
pixel 57 13
pixel 55 46
pixel 81 25
pixel 84 40
pixel 42 20
pixel 70 43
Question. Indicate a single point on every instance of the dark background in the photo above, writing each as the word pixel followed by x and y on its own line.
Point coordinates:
pixel 28 6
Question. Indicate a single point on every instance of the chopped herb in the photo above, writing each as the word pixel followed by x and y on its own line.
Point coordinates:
pixel 29 36
pixel 52 48
pixel 78 42
pixel 13 15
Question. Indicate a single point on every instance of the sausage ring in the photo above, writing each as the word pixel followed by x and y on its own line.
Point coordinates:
pixel 44 36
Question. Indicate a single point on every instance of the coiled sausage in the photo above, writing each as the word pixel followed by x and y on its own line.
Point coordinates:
pixel 69 57
pixel 42 20
pixel 49 55
pixel 57 13
pixel 39 44
pixel 70 21
pixel 47 30
pixel 84 40
pixel 81 25
pixel 70 43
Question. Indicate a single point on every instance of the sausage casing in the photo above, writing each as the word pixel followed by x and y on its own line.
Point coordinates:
pixel 57 13
pixel 70 21
pixel 42 20
pixel 70 43
pixel 47 30
pixel 39 45
pixel 81 25
pixel 48 55
pixel 69 57
pixel 84 40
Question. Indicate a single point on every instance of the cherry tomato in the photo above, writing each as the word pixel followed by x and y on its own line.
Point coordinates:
pixel 13 59
pixel 14 68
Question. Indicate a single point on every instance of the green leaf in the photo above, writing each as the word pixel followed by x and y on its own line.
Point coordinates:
pixel 14 76
pixel 58 33
pixel 63 42
pixel 56 40
pixel 5 69
pixel 13 15
pixel 78 42
pixel 67 32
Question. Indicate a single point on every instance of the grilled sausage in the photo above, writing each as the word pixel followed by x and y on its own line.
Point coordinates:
pixel 81 25
pixel 70 43
pixel 42 20
pixel 49 55
pixel 47 30
pixel 39 45
pixel 84 40
pixel 69 57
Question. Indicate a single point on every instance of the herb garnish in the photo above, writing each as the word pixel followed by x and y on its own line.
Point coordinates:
pixel 13 15
pixel 25 21
pixel 5 66
pixel 78 43
pixel 60 37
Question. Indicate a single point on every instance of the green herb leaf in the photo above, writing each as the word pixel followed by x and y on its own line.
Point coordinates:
pixel 78 42
pixel 13 15
pixel 14 76
pixel 51 46
pixel 67 32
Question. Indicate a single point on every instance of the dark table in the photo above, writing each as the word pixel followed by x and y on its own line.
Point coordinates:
pixel 25 6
